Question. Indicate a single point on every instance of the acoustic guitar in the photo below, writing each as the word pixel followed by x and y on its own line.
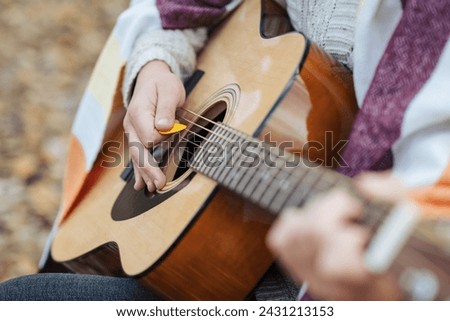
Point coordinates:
pixel 266 119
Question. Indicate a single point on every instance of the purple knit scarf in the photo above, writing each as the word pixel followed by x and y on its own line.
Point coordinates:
pixel 180 14
pixel 410 57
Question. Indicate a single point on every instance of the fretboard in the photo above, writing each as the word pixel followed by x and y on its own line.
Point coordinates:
pixel 267 175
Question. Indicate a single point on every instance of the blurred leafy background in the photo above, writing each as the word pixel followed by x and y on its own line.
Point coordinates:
pixel 47 51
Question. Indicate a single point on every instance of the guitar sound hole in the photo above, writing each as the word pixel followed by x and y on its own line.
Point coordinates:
pixel 174 160
pixel 194 140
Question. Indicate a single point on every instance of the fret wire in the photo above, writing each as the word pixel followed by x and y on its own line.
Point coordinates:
pixel 321 184
pixel 236 183
pixel 220 153
pixel 237 140
pixel 269 190
pixel 209 143
pixel 279 189
pixel 231 163
pixel 294 180
pixel 278 202
pixel 255 179
pixel 302 190
pixel 232 173
pixel 242 184
pixel 232 181
pixel 261 148
pixel 224 160
pixel 242 174
pixel 266 178
pixel 204 148
pixel 314 187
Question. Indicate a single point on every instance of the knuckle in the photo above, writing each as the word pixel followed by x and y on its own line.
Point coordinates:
pixel 134 154
pixel 134 111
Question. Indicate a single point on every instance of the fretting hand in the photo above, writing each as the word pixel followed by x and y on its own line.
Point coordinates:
pixel 322 244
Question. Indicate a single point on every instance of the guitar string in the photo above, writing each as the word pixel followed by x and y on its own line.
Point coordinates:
pixel 265 186
pixel 202 147
pixel 212 133
pixel 377 214
pixel 270 174
pixel 207 129
pixel 229 130
pixel 200 116
pixel 231 141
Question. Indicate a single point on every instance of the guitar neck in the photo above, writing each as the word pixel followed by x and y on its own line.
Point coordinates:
pixel 269 176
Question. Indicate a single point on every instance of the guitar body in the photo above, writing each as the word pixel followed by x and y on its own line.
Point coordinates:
pixel 195 240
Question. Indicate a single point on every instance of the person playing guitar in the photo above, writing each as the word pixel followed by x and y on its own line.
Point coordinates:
pixel 399 53
pixel 325 246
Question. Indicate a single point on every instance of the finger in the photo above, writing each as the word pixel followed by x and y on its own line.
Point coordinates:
pixel 137 151
pixel 145 179
pixel 145 163
pixel 292 240
pixel 283 229
pixel 169 98
pixel 341 257
pixel 336 205
pixel 339 271
pixel 380 186
pixel 150 185
pixel 141 116
pixel 139 182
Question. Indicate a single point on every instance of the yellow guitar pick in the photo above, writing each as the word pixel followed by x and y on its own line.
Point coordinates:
pixel 177 127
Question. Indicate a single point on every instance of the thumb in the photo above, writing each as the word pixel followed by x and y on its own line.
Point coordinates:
pixel 170 96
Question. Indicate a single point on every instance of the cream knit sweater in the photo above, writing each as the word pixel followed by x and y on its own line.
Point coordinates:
pixel 329 23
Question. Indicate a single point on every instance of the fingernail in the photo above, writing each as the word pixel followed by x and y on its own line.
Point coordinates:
pixel 163 122
pixel 156 182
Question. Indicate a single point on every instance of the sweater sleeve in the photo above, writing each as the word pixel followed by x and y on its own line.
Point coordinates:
pixel 177 48
pixel 183 33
